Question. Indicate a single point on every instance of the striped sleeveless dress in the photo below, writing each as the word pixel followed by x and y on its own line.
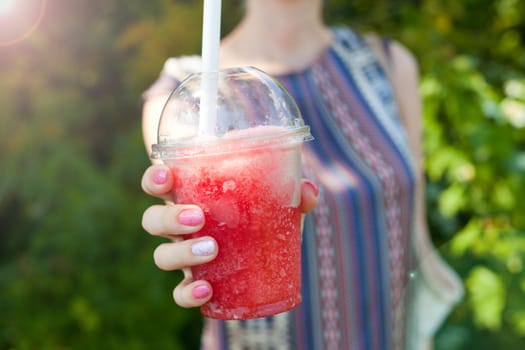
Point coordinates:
pixel 357 244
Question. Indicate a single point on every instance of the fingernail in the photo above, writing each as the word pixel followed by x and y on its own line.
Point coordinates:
pixel 191 217
pixel 160 176
pixel 203 248
pixel 201 291
pixel 314 187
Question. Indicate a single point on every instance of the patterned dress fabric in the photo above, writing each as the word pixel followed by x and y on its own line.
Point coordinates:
pixel 358 244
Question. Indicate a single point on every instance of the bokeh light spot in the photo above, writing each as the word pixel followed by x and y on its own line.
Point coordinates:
pixel 19 19
pixel 6 6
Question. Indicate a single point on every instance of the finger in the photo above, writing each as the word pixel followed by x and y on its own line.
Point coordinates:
pixel 190 293
pixel 309 196
pixel 172 220
pixel 182 254
pixel 158 182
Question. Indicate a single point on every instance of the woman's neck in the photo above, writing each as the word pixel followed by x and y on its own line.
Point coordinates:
pixel 278 36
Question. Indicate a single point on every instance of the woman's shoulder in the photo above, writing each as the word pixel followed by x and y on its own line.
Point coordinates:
pixel 385 47
pixel 174 70
pixel 391 52
pixel 402 69
pixel 180 67
pixel 398 63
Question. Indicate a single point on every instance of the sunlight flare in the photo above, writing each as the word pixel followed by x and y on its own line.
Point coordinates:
pixel 6 6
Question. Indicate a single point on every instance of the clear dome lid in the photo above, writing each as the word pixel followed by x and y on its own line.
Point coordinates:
pixel 247 108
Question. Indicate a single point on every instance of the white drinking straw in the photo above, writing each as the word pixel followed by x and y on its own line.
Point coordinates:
pixel 211 35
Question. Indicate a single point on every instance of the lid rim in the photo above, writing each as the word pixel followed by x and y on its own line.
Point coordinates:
pixel 179 150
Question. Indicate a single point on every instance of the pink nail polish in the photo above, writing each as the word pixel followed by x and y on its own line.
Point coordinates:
pixel 201 291
pixel 314 187
pixel 191 217
pixel 160 176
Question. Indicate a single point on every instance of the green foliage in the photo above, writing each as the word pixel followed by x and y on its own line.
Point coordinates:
pixel 487 297
pixel 76 269
pixel 472 88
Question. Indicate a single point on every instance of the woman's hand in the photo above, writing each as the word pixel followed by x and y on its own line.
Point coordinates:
pixel 173 221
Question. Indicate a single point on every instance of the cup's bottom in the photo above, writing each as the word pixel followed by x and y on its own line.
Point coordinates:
pixel 213 310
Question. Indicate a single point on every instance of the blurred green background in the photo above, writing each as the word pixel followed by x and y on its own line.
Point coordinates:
pixel 76 268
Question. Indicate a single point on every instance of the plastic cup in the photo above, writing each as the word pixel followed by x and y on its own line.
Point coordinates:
pixel 245 175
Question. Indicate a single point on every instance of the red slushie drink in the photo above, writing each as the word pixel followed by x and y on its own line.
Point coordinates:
pixel 250 200
pixel 247 182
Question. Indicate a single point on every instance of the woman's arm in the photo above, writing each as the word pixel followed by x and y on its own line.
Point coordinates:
pixel 404 75
pixel 405 80
pixel 150 119
pixel 435 277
